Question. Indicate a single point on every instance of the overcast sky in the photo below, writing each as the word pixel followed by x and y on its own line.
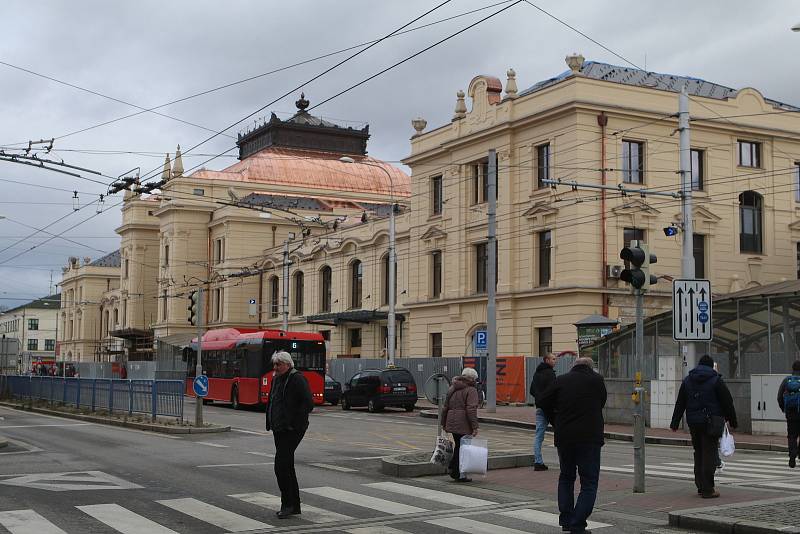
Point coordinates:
pixel 148 53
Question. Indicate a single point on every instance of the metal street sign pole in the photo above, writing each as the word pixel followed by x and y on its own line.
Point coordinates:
pixel 198 405
pixel 687 254
pixel 491 276
pixel 638 397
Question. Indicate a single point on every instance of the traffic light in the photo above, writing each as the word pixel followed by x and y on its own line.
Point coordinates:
pixel 194 308
pixel 637 265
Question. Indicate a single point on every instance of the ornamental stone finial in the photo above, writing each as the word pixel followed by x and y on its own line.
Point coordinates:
pixel 419 124
pixel 302 103
pixel 511 84
pixel 575 62
pixel 461 106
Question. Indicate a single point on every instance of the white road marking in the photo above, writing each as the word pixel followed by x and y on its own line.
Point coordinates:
pixel 212 444
pixel 234 465
pixel 781 485
pixel 746 472
pixel 463 524
pixel 375 530
pixel 266 454
pixel 365 501
pixel 27 522
pixel 243 431
pixel 433 495
pixel 366 458
pixel 214 515
pixel 123 520
pixel 72 481
pixel 54 424
pixel 544 518
pixel 668 474
pixel 273 502
pixel 335 468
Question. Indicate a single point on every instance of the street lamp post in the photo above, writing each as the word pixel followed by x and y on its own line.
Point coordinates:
pixel 392 282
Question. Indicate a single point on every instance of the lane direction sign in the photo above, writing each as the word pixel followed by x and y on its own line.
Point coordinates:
pixel 691 310
pixel 200 385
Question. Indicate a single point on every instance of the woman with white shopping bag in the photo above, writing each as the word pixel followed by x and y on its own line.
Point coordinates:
pixel 460 415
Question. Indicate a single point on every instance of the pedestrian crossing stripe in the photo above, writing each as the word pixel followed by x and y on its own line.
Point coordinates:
pixel 127 521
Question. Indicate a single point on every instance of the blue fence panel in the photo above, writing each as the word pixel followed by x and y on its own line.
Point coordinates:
pixel 169 395
pixel 141 395
pixel 121 395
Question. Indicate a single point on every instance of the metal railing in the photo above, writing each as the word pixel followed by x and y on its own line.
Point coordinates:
pixel 152 397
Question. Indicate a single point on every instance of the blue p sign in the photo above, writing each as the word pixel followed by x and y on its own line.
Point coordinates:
pixel 480 340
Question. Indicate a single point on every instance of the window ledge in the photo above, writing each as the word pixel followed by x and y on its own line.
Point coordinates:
pixel 435 216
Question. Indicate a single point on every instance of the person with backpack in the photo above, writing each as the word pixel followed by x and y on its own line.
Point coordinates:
pixel 789 401
pixel 542 379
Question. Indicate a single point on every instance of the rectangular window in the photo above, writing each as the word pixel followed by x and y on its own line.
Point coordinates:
pixel 198 192
pixel 545 341
pixel 126 269
pixel 699 250
pixel 33 324
pixel 327 289
pixel 796 181
pixel 33 344
pixel 216 302
pixel 542 165
pixel 436 345
pixel 749 154
pixel 166 255
pixel 480 181
pixel 164 305
pixel 219 250
pixel 545 246
pixel 436 274
pixel 273 296
pixel 356 281
pixel 355 338
pixel 436 195
pixel 50 344
pixel 698 170
pixel 632 162
pixel 481 265
pixel 631 234
pixel 798 260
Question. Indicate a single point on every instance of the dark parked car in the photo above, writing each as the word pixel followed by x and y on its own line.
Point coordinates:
pixel 333 391
pixel 378 388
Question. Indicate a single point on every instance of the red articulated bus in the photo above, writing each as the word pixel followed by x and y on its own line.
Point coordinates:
pixel 238 363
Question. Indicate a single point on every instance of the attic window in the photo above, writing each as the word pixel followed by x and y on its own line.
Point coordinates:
pixel 199 192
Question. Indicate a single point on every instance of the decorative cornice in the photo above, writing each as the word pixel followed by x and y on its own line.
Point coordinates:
pixel 434 232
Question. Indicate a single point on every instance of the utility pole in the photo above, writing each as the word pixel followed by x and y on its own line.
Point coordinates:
pixel 687 256
pixel 285 296
pixel 390 317
pixel 491 275
pixel 638 396
pixel 198 405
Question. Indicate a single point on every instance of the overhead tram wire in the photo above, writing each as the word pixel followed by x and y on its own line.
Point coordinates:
pixel 251 78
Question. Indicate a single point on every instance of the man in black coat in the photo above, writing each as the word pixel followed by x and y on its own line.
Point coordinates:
pixel 289 404
pixel 789 402
pixel 704 396
pixel 543 378
pixel 575 405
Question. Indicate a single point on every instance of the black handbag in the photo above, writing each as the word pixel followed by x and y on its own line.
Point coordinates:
pixel 715 425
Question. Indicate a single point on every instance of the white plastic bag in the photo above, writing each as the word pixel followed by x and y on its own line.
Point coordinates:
pixel 726 444
pixel 443 452
pixel 473 456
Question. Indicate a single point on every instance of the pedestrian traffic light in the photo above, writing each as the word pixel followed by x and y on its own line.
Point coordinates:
pixel 194 308
pixel 637 259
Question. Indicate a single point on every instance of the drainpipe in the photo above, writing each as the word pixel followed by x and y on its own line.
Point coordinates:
pixel 602 121
pixel 207 286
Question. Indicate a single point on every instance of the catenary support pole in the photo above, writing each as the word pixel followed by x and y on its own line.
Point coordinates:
pixel 638 412
pixel 687 253
pixel 198 405
pixel 491 276
pixel 285 296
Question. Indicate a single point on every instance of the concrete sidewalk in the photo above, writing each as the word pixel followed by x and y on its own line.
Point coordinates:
pixel 525 417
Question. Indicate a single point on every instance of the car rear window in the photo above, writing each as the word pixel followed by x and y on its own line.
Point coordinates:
pixel 398 376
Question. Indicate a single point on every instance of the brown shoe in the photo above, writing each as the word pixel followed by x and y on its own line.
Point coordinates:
pixel 712 495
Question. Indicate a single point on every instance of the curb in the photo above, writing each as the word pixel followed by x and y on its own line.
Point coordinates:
pixel 619 436
pixel 405 466
pixel 123 423
pixel 701 519
pixel 3 443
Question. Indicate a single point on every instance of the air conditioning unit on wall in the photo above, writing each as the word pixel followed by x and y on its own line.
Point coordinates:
pixel 613 271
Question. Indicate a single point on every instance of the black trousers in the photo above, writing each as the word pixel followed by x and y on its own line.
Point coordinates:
pixel 285 445
pixel 793 435
pixel 455 472
pixel 705 458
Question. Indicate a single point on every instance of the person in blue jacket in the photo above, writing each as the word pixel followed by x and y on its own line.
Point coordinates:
pixel 789 401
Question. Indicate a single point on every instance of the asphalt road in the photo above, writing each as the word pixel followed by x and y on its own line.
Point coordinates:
pixel 60 475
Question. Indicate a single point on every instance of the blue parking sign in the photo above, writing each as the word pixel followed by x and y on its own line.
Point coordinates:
pixel 480 340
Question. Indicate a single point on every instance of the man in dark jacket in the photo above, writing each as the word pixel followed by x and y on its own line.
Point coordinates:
pixel 288 407
pixel 704 396
pixel 575 405
pixel 789 401
pixel 543 378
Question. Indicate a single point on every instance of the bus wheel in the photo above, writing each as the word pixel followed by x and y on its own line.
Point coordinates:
pixel 345 403
pixel 235 398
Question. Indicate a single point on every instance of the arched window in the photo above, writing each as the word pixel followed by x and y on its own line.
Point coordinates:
pixel 356 279
pixel 273 297
pixel 326 289
pixel 751 222
pixel 299 283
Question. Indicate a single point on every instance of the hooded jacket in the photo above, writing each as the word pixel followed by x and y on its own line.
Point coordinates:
pixel 542 379
pixel 460 415
pixel 703 393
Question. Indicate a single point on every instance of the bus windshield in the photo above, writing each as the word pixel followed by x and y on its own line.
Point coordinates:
pixel 307 355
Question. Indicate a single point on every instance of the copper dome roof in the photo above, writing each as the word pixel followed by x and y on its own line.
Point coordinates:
pixel 307 169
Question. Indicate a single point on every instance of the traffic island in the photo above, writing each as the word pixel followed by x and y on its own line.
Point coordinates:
pixel 761 517
pixel 161 425
pixel 417 464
